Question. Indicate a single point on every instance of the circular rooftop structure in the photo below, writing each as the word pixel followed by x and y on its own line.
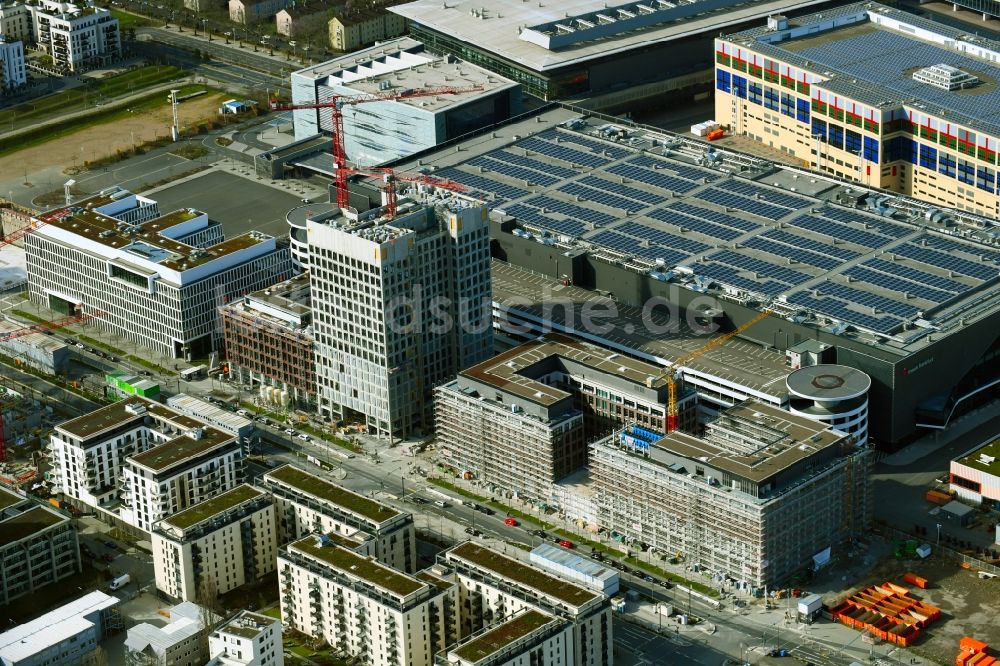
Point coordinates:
pixel 297 219
pixel 828 382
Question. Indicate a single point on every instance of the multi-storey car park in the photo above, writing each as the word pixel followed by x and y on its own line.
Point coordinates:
pixel 754 500
pixel 154 279
pixel 562 48
pixel 891 286
pixel 872 94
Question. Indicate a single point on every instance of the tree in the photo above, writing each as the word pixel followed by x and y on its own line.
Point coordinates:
pixel 99 657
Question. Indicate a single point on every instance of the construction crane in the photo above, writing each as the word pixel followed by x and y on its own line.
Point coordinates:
pixel 34 223
pixel 389 178
pixel 40 327
pixel 673 371
pixel 336 105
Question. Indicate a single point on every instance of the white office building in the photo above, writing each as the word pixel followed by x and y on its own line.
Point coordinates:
pixel 178 643
pixel 216 546
pixel 307 504
pixel 155 280
pixel 65 636
pixel 248 639
pixel 400 305
pixel 77 37
pixel 385 131
pixel 363 608
pixel 140 461
pixel 12 70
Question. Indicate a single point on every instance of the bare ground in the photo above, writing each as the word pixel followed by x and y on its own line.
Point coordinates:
pixel 100 141
pixel 969 606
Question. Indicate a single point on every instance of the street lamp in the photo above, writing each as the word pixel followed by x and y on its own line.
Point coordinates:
pixel 939 534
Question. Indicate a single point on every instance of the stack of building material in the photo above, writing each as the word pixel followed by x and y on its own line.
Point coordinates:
pixel 887 611
pixel 915 580
pixel 973 653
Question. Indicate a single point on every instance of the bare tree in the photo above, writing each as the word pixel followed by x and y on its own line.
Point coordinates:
pixel 99 657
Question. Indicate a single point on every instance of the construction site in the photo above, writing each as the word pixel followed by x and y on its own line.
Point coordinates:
pixel 22 422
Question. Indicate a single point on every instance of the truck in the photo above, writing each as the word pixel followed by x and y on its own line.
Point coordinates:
pixel 120 582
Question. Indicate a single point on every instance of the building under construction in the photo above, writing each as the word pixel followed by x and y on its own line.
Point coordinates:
pixel 522 420
pixel 761 495
pixel 269 342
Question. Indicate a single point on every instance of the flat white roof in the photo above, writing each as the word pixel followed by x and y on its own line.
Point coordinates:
pixel 13 268
pixel 497 26
pixel 185 622
pixel 562 557
pixel 232 423
pixel 52 628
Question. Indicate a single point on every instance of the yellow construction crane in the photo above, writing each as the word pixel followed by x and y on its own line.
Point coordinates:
pixel 671 372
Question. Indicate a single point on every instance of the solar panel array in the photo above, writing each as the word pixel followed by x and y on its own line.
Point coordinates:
pixel 893 283
pixel 538 144
pixel 633 193
pixel 946 262
pixel 722 197
pixel 880 226
pixel 591 194
pixel 884 59
pixel 628 245
pixel 663 238
pixel 513 171
pixel 837 309
pixel 483 186
pixel 838 231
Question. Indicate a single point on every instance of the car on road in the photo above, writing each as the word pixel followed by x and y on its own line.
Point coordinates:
pixel 485 509
pixel 666 584
pixel 113 359
pixel 110 544
pixel 79 345
pixel 541 534
pixel 566 543
pixel 86 550
pixel 511 522
pixel 649 579
pixel 637 573
pixel 107 557
pixel 594 555
pixel 621 567
pixel 305 200
pixel 473 531
pixel 419 500
pixel 290 432
pixel 304 437
pixel 241 412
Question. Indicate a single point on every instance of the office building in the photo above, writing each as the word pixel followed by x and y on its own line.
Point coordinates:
pixel 493 586
pixel 248 639
pixel 178 643
pixel 65 636
pixel 269 343
pixel 885 285
pixel 216 546
pixel 382 132
pixel 975 476
pixel 363 608
pixel 838 90
pixel 76 37
pixel 760 496
pixel 12 72
pixel 45 353
pixel 590 47
pixel 139 461
pixel 522 420
pixel 306 504
pixel 519 639
pixel 38 546
pixel 399 305
pixel 157 280
pixel 363 25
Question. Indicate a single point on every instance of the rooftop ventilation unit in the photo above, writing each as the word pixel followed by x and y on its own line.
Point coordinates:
pixel 945 77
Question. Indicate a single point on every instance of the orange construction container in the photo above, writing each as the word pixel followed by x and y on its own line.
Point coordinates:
pixel 914 579
pixel 937 497
pixel 972 645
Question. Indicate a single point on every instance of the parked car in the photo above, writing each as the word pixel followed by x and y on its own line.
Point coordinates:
pixel 419 500
pixel 473 531
pixel 666 584
pixel 566 543
pixel 290 432
pixel 649 579
pixel 110 544
pixel 241 412
pixel 510 522
pixel 594 555
pixel 79 345
pixel 541 534
pixel 304 437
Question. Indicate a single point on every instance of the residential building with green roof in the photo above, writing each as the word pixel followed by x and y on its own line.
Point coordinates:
pixel 493 586
pixel 38 546
pixel 216 545
pixel 515 639
pixel 307 503
pixel 363 608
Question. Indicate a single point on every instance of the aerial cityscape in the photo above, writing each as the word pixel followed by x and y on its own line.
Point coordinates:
pixel 521 333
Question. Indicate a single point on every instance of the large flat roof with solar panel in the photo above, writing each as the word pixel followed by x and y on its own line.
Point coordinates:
pixel 732 224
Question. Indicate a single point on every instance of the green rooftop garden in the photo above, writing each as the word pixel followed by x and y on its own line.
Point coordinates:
pixel 343 498
pixel 27 523
pixel 216 505
pixel 991 450
pixel 364 568
pixel 496 639
pixel 506 567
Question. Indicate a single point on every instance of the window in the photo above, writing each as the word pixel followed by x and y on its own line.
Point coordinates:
pixel 740 86
pixel 756 93
pixel 819 128
pixel 835 136
pixel 770 98
pixel 986 179
pixel 871 149
pixel 787 105
pixel 802 111
pixel 966 172
pixel 928 157
pixel 722 80
pixel 852 142
pixel 946 164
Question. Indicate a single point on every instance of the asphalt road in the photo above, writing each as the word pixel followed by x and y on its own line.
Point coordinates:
pixel 244 58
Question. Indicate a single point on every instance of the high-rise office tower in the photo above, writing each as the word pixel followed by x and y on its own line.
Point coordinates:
pixel 399 306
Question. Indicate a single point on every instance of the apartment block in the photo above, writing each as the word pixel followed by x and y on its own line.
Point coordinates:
pixel 65 636
pixel 76 37
pixel 248 12
pixel 806 86
pixel 178 643
pixel 364 25
pixel 38 546
pixel 12 64
pixel 494 588
pixel 248 639
pixel 761 495
pixel 269 343
pixel 363 608
pixel 297 22
pixel 399 305
pixel 142 461
pixel 306 504
pixel 522 420
pixel 524 638
pixel 155 280
pixel 216 546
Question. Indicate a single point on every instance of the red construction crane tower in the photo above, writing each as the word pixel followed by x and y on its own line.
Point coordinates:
pixel 341 170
